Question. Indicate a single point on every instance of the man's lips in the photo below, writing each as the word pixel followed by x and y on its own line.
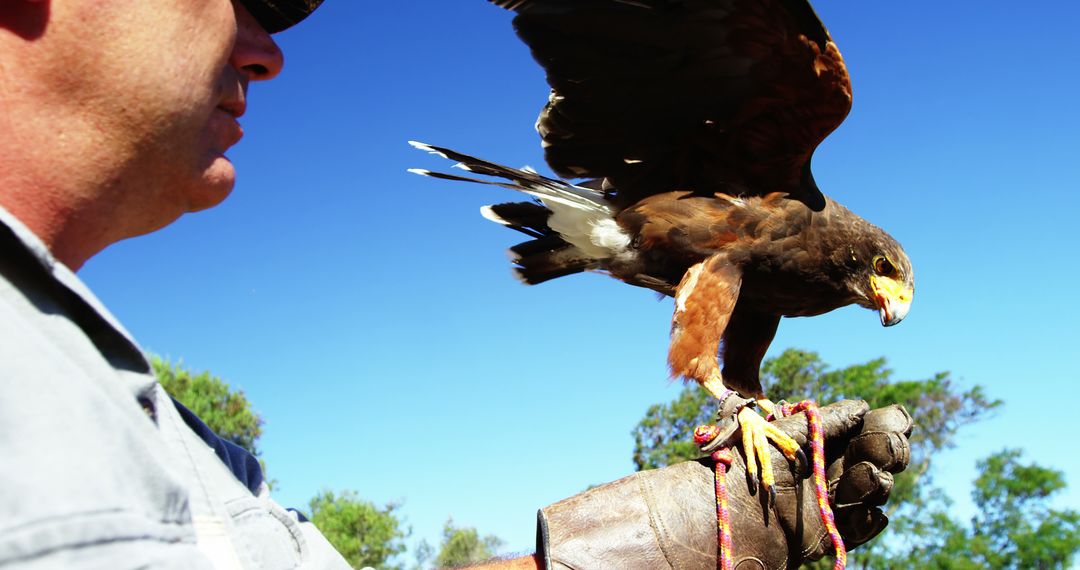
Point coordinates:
pixel 234 107
pixel 228 128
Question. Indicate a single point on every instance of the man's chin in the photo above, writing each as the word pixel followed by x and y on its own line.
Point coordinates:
pixel 217 183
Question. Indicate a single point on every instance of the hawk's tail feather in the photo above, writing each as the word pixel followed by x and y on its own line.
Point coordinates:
pixel 573 226
pixel 527 181
pixel 547 258
pixel 542 245
pixel 528 218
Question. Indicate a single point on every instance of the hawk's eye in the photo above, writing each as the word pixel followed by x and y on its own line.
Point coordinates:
pixel 882 266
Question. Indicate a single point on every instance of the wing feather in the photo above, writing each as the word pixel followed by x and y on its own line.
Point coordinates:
pixel 700 95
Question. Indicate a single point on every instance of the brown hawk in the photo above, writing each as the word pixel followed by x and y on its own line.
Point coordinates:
pixel 693 123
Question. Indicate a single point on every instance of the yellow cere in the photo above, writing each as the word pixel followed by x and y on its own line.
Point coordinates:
pixel 891 288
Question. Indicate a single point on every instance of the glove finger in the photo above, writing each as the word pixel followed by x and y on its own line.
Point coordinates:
pixel 863 483
pixel 883 439
pixel 859 523
pixel 887 450
pixel 836 420
pixel 894 418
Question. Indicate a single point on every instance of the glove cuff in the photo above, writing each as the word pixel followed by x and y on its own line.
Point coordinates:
pixel 543 552
pixel 664 518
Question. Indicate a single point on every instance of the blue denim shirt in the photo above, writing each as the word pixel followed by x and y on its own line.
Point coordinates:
pixel 99 468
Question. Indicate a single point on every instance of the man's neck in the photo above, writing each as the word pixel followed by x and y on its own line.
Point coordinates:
pixel 56 225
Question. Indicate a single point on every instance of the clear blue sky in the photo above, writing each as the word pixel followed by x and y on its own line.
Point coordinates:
pixel 371 316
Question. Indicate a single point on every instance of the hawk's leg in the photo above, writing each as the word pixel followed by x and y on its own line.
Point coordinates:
pixel 705 311
pixel 756 433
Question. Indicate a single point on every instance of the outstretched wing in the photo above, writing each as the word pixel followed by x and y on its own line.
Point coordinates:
pixel 701 95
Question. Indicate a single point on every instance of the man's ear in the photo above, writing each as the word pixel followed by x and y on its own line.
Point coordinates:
pixel 25 18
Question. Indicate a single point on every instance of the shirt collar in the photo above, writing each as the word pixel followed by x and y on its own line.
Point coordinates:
pixel 60 273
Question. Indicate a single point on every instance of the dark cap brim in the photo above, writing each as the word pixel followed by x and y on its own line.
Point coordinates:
pixel 277 15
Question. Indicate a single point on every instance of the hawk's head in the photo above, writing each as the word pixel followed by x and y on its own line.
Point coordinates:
pixel 882 277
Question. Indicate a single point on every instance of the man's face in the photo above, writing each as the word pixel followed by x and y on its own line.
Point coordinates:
pixel 150 91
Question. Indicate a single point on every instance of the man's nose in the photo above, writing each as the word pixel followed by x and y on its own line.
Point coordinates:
pixel 255 52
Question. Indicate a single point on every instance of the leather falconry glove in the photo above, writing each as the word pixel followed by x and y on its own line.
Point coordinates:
pixel 666 518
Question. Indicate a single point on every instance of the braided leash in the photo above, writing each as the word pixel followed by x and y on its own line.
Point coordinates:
pixel 821 487
pixel 722 458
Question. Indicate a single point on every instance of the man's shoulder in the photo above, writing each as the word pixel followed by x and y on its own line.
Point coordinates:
pixel 81 464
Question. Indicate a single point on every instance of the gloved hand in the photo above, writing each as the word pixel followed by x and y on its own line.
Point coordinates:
pixel 666 518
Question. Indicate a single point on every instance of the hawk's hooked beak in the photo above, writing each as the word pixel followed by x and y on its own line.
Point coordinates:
pixel 892 298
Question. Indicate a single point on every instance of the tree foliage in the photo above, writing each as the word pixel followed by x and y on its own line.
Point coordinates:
pixel 1014 528
pixel 364 534
pixel 227 412
pixel 462 546
pixel 662 437
pixel 1015 522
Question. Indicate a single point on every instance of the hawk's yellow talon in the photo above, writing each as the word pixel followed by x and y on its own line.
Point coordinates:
pixel 767 406
pixel 785 444
pixel 764 459
pixel 748 448
pixel 756 435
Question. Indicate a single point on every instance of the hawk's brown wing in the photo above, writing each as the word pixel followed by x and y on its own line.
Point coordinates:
pixel 701 95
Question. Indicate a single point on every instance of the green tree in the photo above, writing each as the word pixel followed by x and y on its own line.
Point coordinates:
pixel 228 412
pixel 938 407
pixel 1015 528
pixel 363 533
pixel 1015 520
pixel 461 546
